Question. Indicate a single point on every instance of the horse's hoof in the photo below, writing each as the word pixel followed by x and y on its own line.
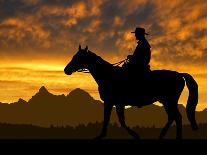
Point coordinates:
pixel 99 137
pixel 136 137
pixel 160 138
pixel 178 138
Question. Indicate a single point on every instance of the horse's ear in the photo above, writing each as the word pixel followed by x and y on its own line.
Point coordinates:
pixel 79 47
pixel 86 49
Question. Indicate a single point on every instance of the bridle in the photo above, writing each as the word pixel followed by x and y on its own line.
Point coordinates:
pixel 84 70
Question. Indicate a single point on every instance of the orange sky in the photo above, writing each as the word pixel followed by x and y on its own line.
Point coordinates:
pixel 23 80
pixel 38 38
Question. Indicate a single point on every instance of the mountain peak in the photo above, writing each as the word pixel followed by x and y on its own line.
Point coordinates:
pixel 21 101
pixel 78 90
pixel 42 94
pixel 79 94
pixel 43 90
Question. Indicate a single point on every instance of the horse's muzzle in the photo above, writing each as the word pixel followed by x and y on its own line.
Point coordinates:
pixel 67 71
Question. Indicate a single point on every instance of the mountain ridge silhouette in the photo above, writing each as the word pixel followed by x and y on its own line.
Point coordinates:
pixel 79 107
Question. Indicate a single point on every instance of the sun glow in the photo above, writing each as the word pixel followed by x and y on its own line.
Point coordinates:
pixel 23 79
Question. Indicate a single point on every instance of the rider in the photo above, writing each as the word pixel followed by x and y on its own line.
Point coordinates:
pixel 141 57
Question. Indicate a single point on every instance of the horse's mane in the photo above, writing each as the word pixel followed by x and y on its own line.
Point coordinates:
pixel 99 59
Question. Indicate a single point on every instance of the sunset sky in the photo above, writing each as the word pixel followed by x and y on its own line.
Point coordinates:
pixel 38 38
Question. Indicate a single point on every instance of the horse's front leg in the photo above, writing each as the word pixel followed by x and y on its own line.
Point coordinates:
pixel 120 113
pixel 107 114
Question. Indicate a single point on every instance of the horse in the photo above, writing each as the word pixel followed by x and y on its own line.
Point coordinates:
pixel 119 90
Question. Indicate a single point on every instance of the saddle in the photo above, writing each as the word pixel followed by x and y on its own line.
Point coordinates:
pixel 135 70
pixel 132 76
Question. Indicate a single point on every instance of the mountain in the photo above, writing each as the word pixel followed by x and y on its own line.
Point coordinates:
pixel 78 107
pixel 45 109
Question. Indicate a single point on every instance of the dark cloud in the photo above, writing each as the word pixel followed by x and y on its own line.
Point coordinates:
pixel 178 28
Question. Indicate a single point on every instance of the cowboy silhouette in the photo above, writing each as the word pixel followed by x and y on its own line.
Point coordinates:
pixel 118 90
pixel 139 61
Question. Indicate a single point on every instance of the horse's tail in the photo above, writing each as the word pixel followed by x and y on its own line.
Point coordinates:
pixel 192 99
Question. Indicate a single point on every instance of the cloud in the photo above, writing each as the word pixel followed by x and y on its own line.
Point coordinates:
pixel 132 6
pixel 183 28
pixel 70 22
pixel 177 28
pixel 118 21
pixel 30 2
pixel 92 27
pixel 21 32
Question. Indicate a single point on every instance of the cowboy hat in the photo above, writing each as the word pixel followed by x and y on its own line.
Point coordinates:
pixel 140 30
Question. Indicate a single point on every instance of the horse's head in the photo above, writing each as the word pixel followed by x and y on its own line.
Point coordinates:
pixel 79 61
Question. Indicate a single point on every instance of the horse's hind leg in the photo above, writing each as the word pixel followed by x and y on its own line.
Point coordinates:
pixel 120 113
pixel 173 114
pixel 166 127
pixel 178 120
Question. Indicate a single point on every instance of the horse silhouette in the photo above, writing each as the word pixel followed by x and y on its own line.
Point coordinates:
pixel 119 90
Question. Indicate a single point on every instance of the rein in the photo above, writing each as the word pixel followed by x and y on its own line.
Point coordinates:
pixel 120 62
pixel 84 70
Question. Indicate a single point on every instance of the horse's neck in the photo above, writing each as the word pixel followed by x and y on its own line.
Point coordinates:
pixel 98 67
pixel 97 60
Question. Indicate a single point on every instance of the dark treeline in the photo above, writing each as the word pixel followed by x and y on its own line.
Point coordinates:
pixel 21 131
